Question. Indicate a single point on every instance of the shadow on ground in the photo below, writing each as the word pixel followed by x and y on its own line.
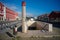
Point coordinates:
pixel 31 28
pixel 9 34
pixel 19 29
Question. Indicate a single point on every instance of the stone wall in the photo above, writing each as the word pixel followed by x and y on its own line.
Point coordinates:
pixel 40 25
pixel 30 23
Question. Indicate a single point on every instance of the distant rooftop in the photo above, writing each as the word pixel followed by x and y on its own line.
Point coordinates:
pixel 55 14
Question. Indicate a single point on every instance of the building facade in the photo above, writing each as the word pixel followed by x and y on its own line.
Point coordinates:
pixel 7 14
pixel 43 17
pixel 54 16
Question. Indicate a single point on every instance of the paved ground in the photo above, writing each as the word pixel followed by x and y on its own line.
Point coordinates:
pixel 31 35
pixel 37 38
pixel 3 31
pixel 39 33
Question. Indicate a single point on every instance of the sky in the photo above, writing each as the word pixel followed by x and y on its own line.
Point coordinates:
pixel 33 7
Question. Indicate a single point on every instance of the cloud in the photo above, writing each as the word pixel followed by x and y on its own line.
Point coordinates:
pixel 11 6
pixel 15 8
pixel 29 14
pixel 19 13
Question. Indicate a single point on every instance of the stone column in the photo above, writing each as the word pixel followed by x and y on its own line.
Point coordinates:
pixel 24 27
pixel 4 11
pixel 50 28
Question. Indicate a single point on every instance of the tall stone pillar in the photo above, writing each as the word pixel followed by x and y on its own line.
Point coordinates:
pixel 50 27
pixel 4 11
pixel 24 27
